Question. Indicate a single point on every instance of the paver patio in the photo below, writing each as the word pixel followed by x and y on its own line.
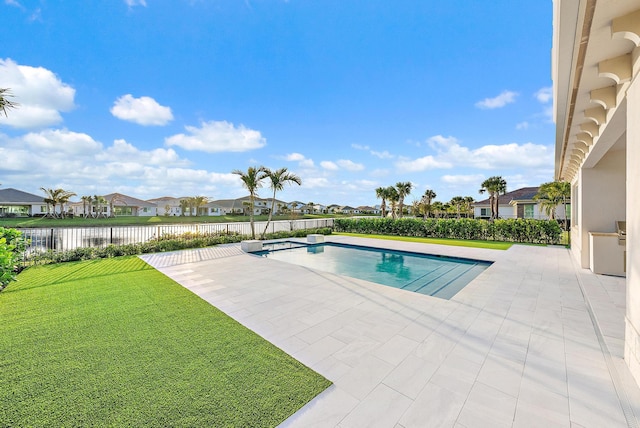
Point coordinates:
pixel 515 348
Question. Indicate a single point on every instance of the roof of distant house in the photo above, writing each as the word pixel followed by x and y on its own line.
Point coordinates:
pixel 11 195
pixel 523 194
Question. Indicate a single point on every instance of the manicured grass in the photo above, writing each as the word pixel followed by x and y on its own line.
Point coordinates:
pixel 115 343
pixel 493 245
pixel 130 220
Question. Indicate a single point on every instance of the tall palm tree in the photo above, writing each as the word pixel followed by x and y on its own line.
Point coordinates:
pixel 468 200
pixel 393 197
pixel 86 200
pixel 553 194
pixel 429 195
pixel 198 202
pixel 4 102
pixel 495 186
pixel 457 202
pixel 277 180
pixel 403 188
pixel 381 193
pixel 185 204
pixel 252 181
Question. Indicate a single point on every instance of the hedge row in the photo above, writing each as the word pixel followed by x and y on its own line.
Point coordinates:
pixel 12 245
pixel 510 230
pixel 169 242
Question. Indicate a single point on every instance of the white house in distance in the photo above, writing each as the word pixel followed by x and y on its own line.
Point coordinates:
pixel 596 84
pixel 518 204
pixel 16 203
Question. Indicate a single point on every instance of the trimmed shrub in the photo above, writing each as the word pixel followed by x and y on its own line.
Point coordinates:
pixel 164 243
pixel 12 246
pixel 509 230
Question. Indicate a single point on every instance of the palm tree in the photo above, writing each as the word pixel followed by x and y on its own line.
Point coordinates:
pixel 429 195
pixel 54 197
pixel 393 197
pixel 86 200
pixel 403 188
pixel 457 202
pixel 438 208
pixel 199 201
pixel 98 202
pixel 553 194
pixel 381 193
pixel 293 207
pixel 184 206
pixel 4 102
pixel 494 186
pixel 252 181
pixel 468 200
pixel 277 180
pixel 63 199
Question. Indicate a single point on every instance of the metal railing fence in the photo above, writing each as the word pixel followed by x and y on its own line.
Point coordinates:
pixel 60 239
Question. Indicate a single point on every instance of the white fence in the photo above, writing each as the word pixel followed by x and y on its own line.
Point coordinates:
pixel 69 238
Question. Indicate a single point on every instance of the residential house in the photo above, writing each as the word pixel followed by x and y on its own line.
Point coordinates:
pixel 365 209
pixel 518 204
pixel 346 209
pixel 16 203
pixel 122 205
pixel 167 206
pixel 596 93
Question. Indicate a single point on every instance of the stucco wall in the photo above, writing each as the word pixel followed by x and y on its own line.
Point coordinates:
pixel 601 201
pixel 632 339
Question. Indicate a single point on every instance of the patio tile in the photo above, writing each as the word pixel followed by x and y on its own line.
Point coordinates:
pixel 434 407
pixel 381 408
pixel 516 344
pixel 411 375
pixel 488 407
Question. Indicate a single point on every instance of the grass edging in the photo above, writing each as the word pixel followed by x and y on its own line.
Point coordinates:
pixel 493 245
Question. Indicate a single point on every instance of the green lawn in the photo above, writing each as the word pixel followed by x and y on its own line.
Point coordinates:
pixel 115 343
pixel 130 220
pixel 493 245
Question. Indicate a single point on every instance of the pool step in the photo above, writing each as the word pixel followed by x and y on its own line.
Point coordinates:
pixel 445 281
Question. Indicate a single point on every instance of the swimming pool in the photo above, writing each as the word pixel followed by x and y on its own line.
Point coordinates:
pixel 438 276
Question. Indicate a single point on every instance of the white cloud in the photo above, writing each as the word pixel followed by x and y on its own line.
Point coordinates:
pixel 294 157
pixel 331 166
pixel 316 182
pixel 350 165
pixel 218 136
pixel 303 161
pixel 143 111
pixel 122 151
pixel 421 164
pixel 61 141
pixel 382 155
pixel 132 3
pixel 360 147
pixel 505 97
pixel 41 95
pixel 522 125
pixel 544 95
pixel 467 180
pixel 75 161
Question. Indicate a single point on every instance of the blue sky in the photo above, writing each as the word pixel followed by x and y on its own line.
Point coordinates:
pixel 165 98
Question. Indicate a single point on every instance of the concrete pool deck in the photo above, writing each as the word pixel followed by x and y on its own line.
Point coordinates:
pixel 515 348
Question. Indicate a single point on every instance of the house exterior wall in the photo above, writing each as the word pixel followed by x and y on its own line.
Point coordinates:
pixel 632 320
pixel 601 200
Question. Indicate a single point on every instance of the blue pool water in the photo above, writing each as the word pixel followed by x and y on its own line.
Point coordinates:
pixel 437 276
